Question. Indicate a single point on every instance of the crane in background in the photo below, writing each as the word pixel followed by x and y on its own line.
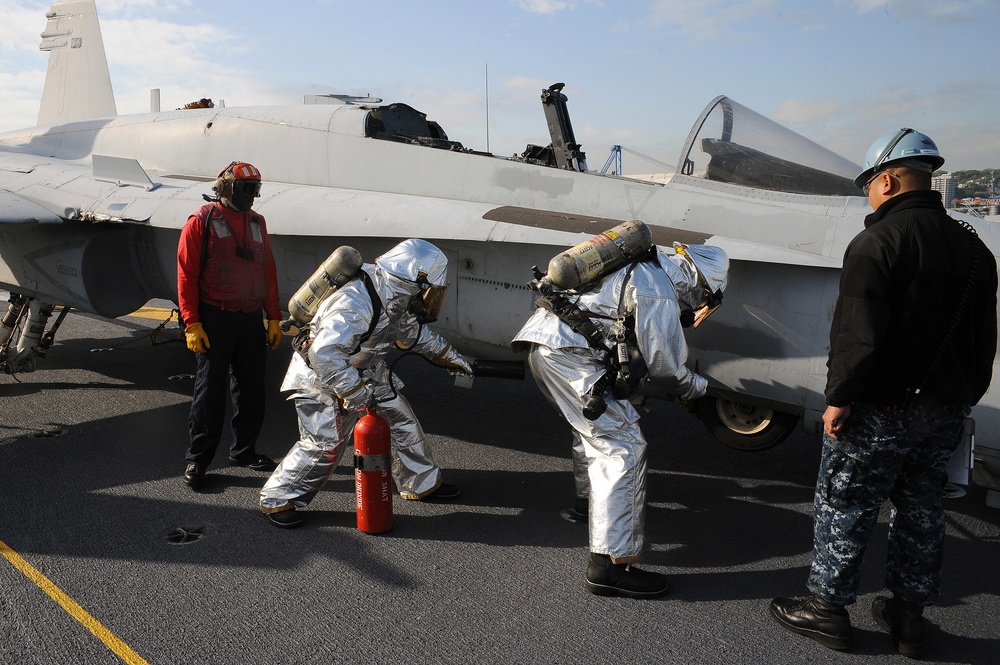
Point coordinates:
pixel 614 158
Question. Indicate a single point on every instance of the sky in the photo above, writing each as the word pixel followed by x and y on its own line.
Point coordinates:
pixel 637 73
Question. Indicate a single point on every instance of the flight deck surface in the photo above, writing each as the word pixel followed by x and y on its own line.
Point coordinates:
pixel 108 557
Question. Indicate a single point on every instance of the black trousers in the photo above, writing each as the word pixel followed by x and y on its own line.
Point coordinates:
pixel 234 361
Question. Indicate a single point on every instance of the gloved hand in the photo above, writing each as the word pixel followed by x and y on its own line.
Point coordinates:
pixel 453 361
pixel 358 399
pixel 274 334
pixel 698 387
pixel 196 338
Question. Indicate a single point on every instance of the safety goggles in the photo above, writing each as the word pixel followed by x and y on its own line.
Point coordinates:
pixel 868 184
pixel 248 188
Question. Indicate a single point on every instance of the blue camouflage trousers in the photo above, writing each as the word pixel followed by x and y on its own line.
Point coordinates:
pixel 902 457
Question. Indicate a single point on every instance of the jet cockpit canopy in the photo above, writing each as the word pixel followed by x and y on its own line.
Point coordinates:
pixel 730 143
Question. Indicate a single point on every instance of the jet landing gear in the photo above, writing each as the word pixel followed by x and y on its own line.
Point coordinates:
pixel 23 338
pixel 743 426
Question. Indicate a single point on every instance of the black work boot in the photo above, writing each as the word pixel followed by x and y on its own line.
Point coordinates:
pixel 817 619
pixel 904 622
pixel 621 579
pixel 194 475
pixel 578 513
pixel 285 519
pixel 444 492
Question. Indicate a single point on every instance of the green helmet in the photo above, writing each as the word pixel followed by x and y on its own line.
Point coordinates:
pixel 905 147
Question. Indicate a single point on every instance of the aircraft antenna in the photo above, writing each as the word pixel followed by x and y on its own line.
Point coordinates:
pixel 487 107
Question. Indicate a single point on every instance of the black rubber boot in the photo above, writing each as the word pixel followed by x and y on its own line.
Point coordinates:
pixel 904 622
pixel 285 519
pixel 194 475
pixel 254 461
pixel 444 492
pixel 578 514
pixel 621 579
pixel 817 619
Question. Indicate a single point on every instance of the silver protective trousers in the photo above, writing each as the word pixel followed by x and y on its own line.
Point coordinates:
pixel 326 431
pixel 609 453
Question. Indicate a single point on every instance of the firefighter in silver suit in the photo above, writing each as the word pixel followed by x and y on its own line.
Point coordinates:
pixel 662 294
pixel 343 371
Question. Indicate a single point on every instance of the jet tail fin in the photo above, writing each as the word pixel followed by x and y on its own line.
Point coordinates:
pixel 78 83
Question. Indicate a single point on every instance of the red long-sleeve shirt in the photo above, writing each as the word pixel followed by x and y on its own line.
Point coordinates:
pixel 189 261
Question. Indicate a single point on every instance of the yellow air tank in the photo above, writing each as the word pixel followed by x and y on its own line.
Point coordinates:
pixel 339 268
pixel 599 256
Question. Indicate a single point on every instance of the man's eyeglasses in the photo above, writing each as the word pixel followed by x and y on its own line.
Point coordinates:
pixel 872 179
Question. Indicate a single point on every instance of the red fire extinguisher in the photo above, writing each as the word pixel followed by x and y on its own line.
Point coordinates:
pixel 372 473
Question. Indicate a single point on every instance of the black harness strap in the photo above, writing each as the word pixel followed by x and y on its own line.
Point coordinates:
pixel 303 340
pixel 376 310
pixel 204 236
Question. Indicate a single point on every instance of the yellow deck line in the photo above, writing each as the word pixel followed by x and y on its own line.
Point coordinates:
pixel 122 650
pixel 159 313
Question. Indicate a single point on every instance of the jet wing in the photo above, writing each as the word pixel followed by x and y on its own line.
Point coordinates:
pixel 745 250
pixel 14 208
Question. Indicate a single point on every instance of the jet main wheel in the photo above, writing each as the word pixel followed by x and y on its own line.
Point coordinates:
pixel 743 426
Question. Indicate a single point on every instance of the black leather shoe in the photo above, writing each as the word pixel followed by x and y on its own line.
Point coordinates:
pixel 904 623
pixel 286 519
pixel 444 492
pixel 194 474
pixel 578 514
pixel 255 462
pixel 817 619
pixel 605 578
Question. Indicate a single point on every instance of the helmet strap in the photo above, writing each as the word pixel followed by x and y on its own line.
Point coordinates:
pixel 889 146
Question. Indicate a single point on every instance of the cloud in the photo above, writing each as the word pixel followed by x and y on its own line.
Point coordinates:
pixel 928 10
pixel 141 7
pixel 525 83
pixel 147 53
pixel 20 26
pixel 707 19
pixel 805 111
pixel 893 101
pixel 552 7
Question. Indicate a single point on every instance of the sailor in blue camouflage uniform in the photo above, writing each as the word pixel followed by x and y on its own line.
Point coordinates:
pixel 912 345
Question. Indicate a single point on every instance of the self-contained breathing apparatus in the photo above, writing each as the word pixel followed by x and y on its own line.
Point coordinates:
pixel 343 265
pixel 577 270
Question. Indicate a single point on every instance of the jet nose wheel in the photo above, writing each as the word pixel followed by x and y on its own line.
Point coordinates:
pixel 743 426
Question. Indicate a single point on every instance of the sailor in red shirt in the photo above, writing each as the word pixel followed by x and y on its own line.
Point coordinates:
pixel 226 285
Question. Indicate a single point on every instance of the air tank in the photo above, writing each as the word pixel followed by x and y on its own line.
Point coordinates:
pixel 602 254
pixel 339 268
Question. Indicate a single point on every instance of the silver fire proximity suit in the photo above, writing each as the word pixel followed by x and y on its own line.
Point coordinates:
pixel 609 453
pixel 344 374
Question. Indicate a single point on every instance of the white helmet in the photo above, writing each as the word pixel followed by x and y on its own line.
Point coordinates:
pixel 424 269
pixel 905 147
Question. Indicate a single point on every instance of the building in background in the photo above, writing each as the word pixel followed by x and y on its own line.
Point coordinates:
pixel 945 183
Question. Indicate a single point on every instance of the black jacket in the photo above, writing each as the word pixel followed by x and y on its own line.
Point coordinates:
pixel 902 280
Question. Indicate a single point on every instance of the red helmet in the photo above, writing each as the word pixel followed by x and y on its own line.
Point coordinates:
pixel 238 185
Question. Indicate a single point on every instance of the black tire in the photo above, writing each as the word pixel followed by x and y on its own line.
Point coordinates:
pixel 742 426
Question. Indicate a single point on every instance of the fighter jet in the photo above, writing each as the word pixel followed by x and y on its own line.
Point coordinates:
pixel 92 203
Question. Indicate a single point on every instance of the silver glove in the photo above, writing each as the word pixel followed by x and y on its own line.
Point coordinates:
pixel 358 399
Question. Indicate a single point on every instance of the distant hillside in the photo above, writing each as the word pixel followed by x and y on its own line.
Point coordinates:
pixel 982 184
